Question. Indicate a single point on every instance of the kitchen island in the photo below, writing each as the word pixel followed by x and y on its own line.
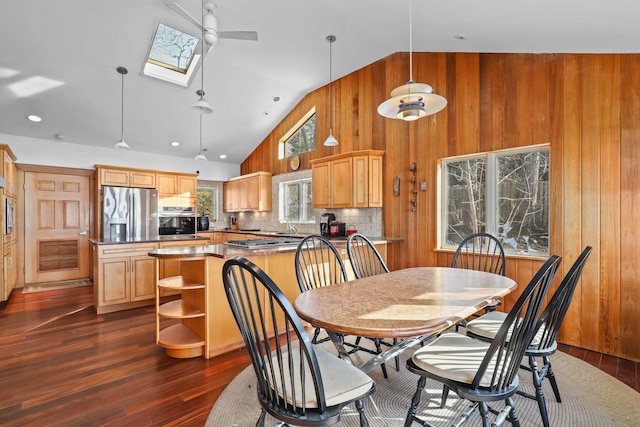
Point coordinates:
pixel 125 276
pixel 201 323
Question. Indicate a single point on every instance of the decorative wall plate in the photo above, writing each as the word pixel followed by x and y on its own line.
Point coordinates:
pixel 295 162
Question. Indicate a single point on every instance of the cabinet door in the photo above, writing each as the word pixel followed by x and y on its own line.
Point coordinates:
pixel 341 183
pixel 375 181
pixel 320 181
pixel 231 196
pixel 253 193
pixel 115 177
pixel 114 276
pixel 361 181
pixel 166 184
pixel 9 175
pixel 186 186
pixel 143 277
pixel 142 179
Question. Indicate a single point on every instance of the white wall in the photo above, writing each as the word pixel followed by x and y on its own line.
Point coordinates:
pixel 34 151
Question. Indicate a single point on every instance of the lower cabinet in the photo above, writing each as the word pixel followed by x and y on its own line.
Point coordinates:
pixel 181 324
pixel 124 276
pixel 9 268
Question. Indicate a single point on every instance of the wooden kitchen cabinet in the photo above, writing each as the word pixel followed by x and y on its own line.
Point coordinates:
pixel 184 337
pixel 124 276
pixel 127 178
pixel 348 180
pixel 9 173
pixel 9 267
pixel 176 189
pixel 250 192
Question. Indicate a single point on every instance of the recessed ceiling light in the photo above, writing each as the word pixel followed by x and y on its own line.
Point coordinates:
pixel 275 99
pixel 34 118
pixel 460 37
pixel 175 143
pixel 223 156
pixel 59 137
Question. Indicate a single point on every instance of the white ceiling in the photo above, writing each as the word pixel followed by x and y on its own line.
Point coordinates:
pixel 80 43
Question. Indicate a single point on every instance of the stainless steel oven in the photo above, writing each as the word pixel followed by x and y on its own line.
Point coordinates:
pixel 176 220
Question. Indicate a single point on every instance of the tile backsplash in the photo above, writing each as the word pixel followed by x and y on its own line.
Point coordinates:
pixel 367 221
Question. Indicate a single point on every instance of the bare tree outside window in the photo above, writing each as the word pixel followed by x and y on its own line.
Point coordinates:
pixel 504 193
pixel 295 201
pixel 302 140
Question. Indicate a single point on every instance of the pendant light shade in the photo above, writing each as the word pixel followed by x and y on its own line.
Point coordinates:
pixel 412 100
pixel 331 140
pixel 121 144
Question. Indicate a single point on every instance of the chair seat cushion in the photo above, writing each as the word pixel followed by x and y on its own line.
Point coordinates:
pixel 455 357
pixel 342 381
pixel 487 326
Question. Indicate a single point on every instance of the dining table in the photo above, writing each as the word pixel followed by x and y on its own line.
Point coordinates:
pixel 410 305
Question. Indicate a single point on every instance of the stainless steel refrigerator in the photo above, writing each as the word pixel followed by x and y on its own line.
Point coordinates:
pixel 129 214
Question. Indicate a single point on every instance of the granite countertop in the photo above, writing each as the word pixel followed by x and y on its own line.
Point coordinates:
pixel 170 238
pixel 268 233
pixel 227 251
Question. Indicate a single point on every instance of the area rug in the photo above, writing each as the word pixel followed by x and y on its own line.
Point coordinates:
pixel 590 397
pixel 54 286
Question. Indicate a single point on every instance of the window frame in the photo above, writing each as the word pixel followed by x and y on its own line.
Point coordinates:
pixel 281 203
pixel 491 196
pixel 282 143
pixel 213 216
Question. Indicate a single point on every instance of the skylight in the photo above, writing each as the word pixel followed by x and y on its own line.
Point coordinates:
pixel 172 56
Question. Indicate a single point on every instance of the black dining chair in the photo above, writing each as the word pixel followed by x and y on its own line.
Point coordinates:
pixel 298 383
pixel 484 372
pixel 482 252
pixel 318 264
pixel 366 261
pixel 544 342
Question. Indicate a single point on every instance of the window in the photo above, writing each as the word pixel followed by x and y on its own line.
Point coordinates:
pixel 172 56
pixel 295 201
pixel 505 193
pixel 207 203
pixel 301 138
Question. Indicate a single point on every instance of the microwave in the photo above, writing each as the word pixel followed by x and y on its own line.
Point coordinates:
pixel 9 216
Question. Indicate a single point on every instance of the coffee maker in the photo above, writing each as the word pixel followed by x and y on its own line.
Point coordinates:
pixel 325 221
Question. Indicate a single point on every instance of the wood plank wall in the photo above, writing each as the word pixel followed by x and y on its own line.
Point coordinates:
pixel 587 106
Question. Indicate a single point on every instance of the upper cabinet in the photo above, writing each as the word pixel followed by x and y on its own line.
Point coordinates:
pixel 348 180
pixel 127 178
pixel 9 171
pixel 250 192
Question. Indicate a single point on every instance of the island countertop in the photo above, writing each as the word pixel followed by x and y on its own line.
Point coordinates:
pixel 226 251
pixel 154 239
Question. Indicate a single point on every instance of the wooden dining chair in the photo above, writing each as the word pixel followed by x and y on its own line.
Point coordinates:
pixel 484 372
pixel 318 264
pixel 482 252
pixel 544 342
pixel 297 383
pixel 366 261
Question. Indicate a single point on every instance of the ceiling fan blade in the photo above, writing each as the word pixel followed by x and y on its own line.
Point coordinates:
pixel 238 35
pixel 180 11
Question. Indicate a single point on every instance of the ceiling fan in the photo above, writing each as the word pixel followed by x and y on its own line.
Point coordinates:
pixel 209 25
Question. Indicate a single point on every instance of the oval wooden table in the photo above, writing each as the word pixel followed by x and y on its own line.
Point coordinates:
pixel 412 305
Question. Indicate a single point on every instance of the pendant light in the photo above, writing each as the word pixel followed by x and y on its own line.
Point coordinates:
pixel 331 141
pixel 200 156
pixel 201 104
pixel 121 143
pixel 412 100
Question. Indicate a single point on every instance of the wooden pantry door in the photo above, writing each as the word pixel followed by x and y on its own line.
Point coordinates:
pixel 56 227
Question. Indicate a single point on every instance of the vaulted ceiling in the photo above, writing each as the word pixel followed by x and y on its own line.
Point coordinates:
pixel 78 44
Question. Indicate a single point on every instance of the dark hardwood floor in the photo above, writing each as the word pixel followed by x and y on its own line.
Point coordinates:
pixel 61 364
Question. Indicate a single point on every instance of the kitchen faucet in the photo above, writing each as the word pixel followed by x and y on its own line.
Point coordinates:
pixel 290 228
